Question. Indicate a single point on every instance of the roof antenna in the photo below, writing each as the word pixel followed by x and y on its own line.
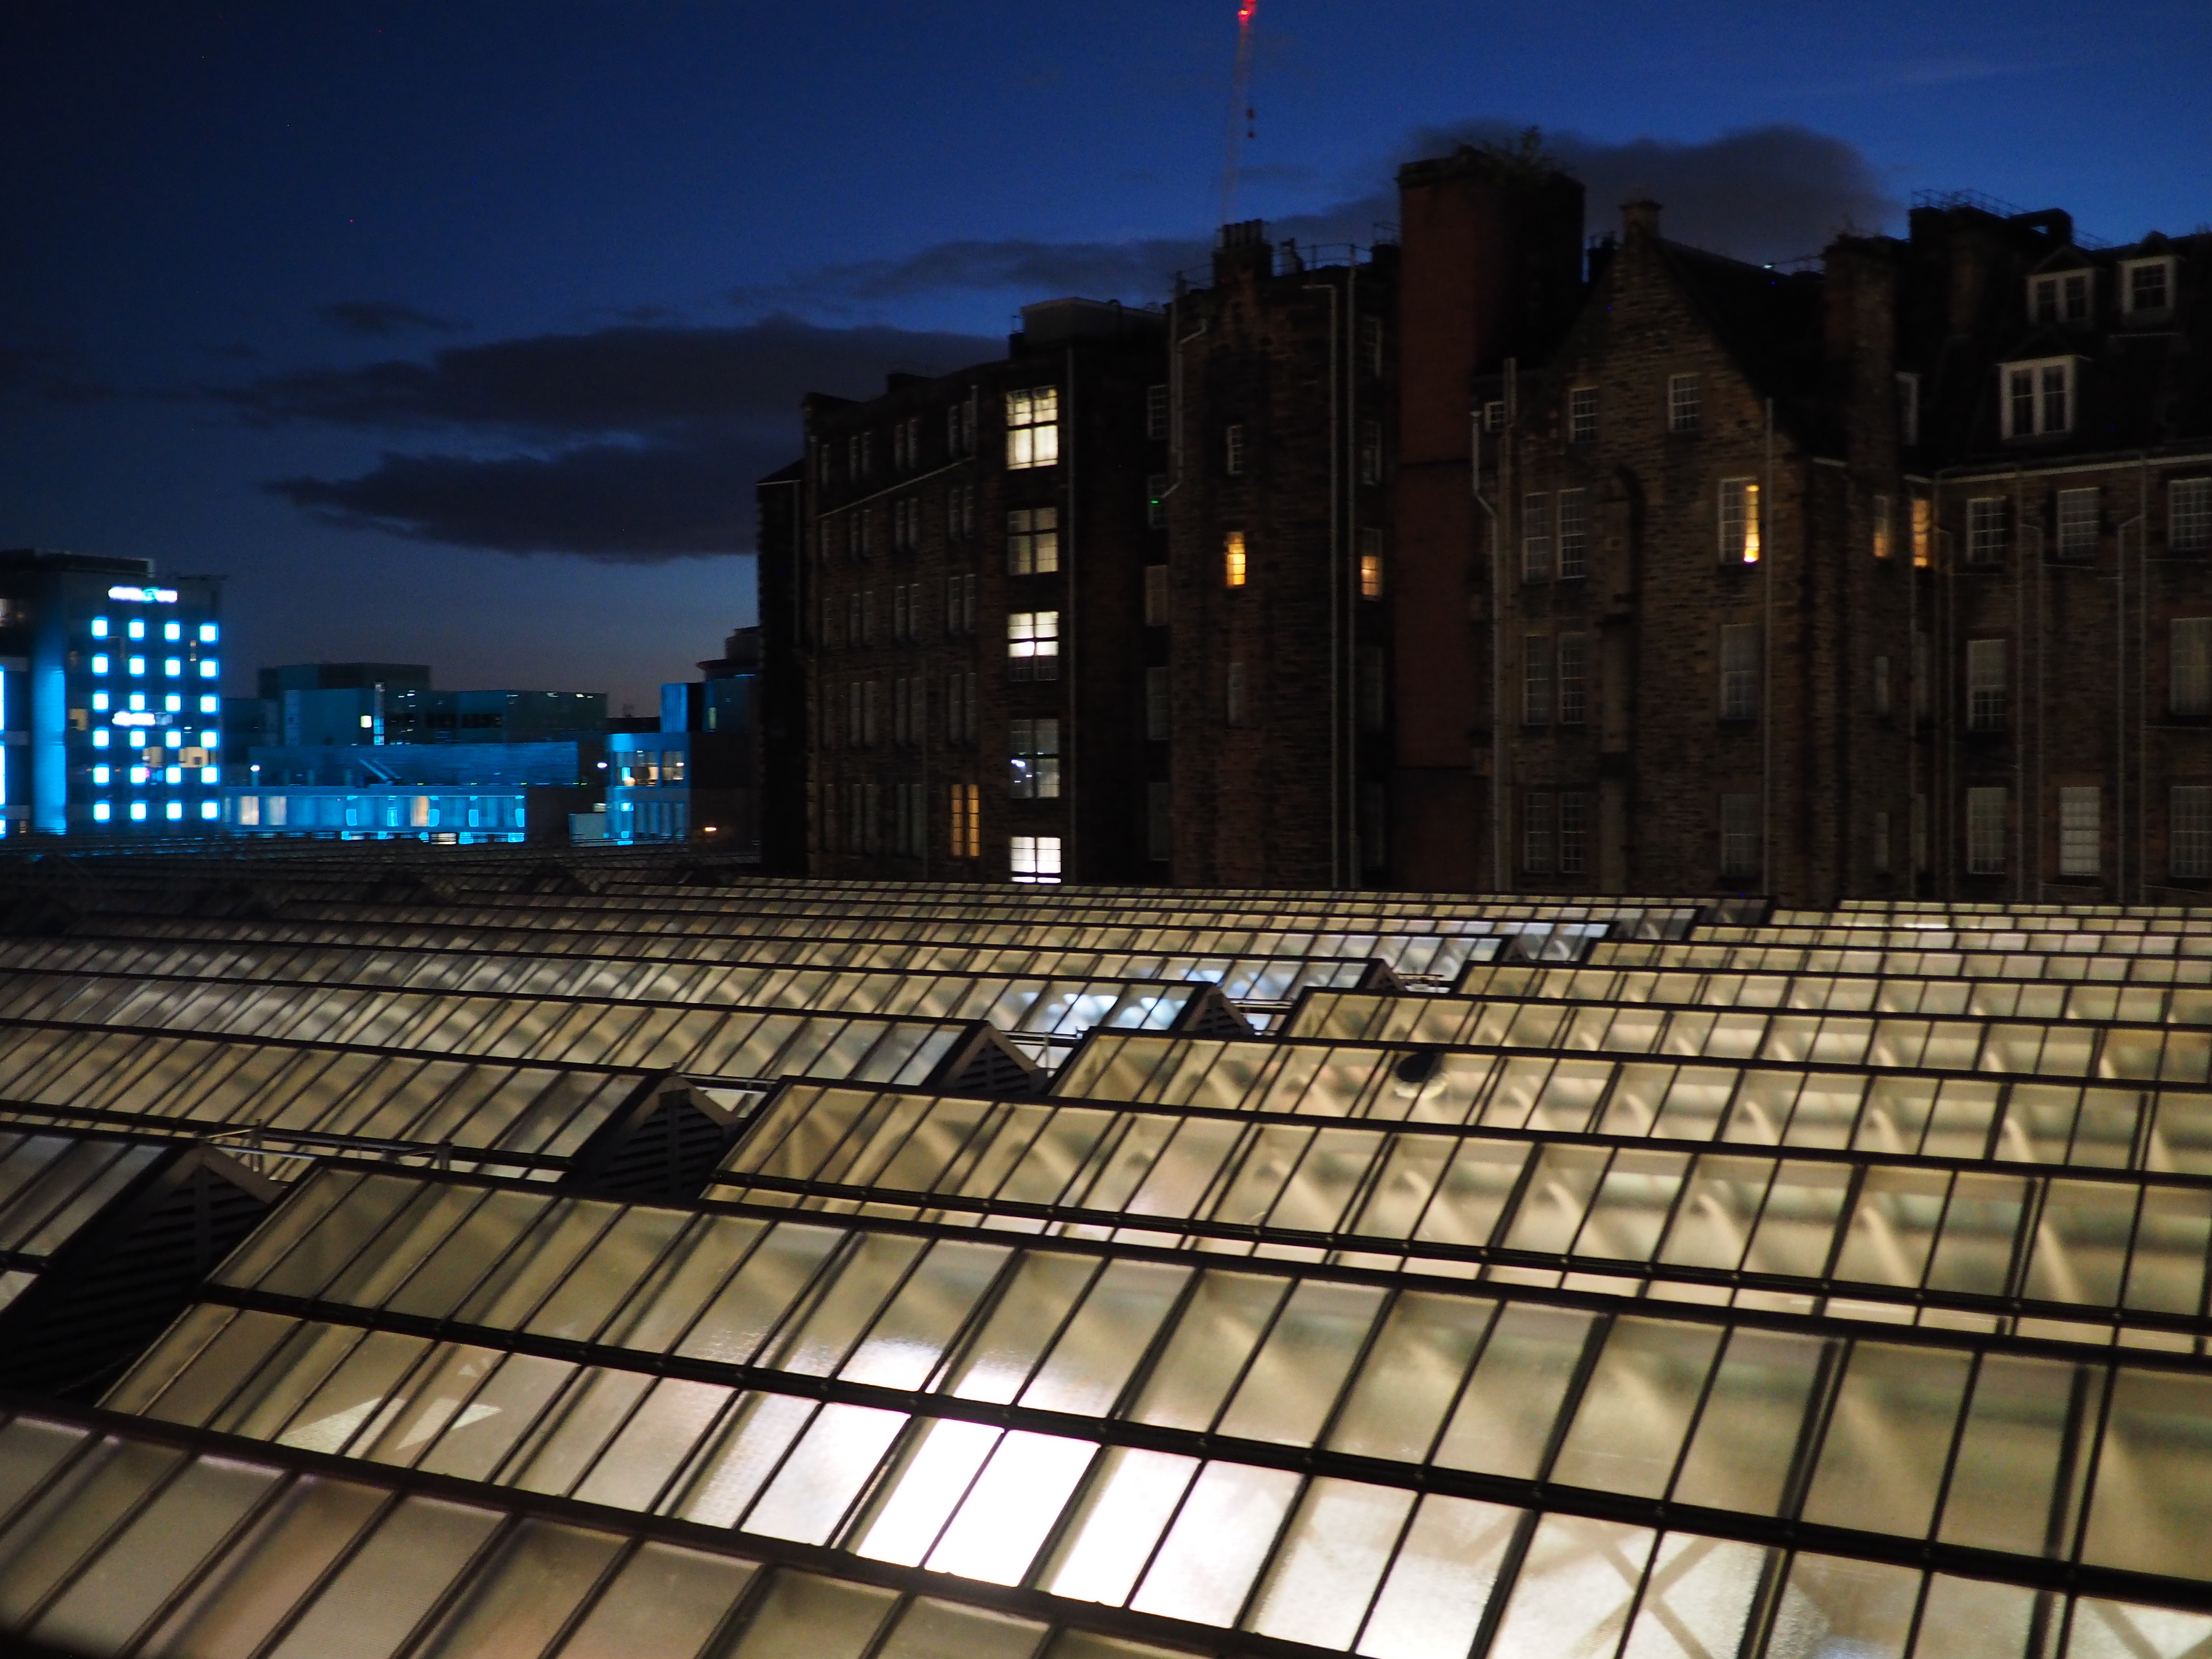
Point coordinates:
pixel 1243 122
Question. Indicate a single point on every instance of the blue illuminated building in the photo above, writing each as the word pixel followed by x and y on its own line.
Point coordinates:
pixel 110 697
pixel 698 779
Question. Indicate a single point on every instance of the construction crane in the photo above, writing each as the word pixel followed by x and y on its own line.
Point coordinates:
pixel 1241 117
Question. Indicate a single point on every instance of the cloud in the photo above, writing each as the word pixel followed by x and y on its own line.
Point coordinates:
pixel 379 319
pixel 636 444
pixel 1760 193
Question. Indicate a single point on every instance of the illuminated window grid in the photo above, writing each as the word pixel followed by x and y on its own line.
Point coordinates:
pixel 204 1526
pixel 857 1389
pixel 531 1117
pixel 2113 1051
pixel 1901 992
pixel 2017 966
pixel 1752 1103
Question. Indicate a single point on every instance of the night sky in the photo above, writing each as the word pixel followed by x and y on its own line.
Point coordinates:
pixel 459 332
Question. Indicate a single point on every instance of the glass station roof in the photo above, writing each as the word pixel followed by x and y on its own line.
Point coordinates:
pixel 1640 1279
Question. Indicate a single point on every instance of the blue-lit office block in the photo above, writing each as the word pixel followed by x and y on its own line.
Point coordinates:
pixel 88 646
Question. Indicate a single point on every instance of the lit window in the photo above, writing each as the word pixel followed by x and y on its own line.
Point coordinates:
pixel 1233 558
pixel 136 629
pixel 1033 773
pixel 210 633
pixel 1884 546
pixel 1535 539
pixel 174 739
pixel 1033 644
pixel 210 704
pixel 1034 857
pixel 1582 415
pixel 1923 532
pixel 1988 684
pixel 2061 298
pixel 1370 564
pixel 2189 515
pixel 1740 672
pixel 2189 651
pixel 1574 534
pixel 1033 426
pixel 367 721
pixel 2081 845
pixel 1033 542
pixel 1685 403
pixel 967 821
pixel 2039 398
pixel 138 812
pixel 173 774
pixel 1985 831
pixel 103 775
pixel 210 809
pixel 99 665
pixel 138 701
pixel 1986 524
pixel 173 666
pixel 1232 449
pixel 2189 852
pixel 102 812
pixel 208 739
pixel 174 811
pixel 1739 521
pixel 100 739
pixel 138 737
pixel 210 774
pixel 2148 286
pixel 99 701
pixel 139 775
pixel 173 704
pixel 100 627
pixel 135 664
pixel 207 669
pixel 2077 524
pixel 172 632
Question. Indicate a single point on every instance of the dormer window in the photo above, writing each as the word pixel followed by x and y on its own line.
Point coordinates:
pixel 2147 286
pixel 2036 399
pixel 2063 298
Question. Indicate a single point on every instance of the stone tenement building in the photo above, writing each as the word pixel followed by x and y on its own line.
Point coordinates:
pixel 1500 561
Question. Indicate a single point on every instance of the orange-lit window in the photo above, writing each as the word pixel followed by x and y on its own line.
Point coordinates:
pixel 1233 558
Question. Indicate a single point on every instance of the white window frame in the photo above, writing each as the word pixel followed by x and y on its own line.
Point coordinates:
pixel 1032 427
pixel 1536 538
pixel 1033 541
pixel 1033 757
pixel 1988 684
pixel 2189 666
pixel 1539 680
pixel 2053 286
pixel 1570 691
pixel 1686 403
pixel 1739 521
pixel 1540 831
pixel 1989 525
pixel 1570 526
pixel 2189 515
pixel 2081 831
pixel 1986 830
pixel 2129 306
pixel 2189 832
pixel 1743 855
pixel 1740 644
pixel 2046 375
pixel 2078 514
pixel 1582 415
pixel 1232 449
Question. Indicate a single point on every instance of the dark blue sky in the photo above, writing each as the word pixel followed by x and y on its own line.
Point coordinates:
pixel 457 332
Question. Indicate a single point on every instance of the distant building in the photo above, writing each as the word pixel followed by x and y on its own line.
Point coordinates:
pixel 371 750
pixel 110 697
pixel 698 777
